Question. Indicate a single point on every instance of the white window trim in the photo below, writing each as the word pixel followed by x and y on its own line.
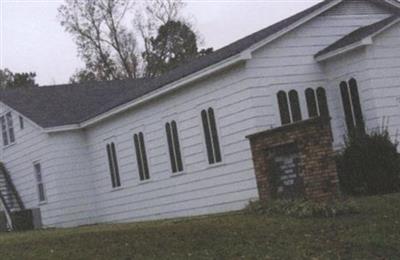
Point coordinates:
pixel 107 141
pixel 206 106
pixel 168 119
pixel 40 202
pixel 8 130
pixel 137 130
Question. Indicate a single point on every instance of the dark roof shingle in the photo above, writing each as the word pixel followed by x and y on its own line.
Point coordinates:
pixel 53 106
pixel 357 35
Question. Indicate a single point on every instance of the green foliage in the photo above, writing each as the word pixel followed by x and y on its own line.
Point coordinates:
pixel 112 46
pixel 8 79
pixel 303 208
pixel 82 75
pixel 174 44
pixel 369 164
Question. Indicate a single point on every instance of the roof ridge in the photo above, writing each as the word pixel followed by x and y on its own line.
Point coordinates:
pixel 82 102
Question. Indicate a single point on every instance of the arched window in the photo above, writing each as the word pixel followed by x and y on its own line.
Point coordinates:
pixel 283 107
pixel 355 100
pixel 352 105
pixel 322 102
pixel 113 165
pixel 211 136
pixel 311 102
pixel 295 105
pixel 348 114
pixel 174 147
pixel 141 156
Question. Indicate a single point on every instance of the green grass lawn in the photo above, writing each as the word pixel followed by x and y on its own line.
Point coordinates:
pixel 372 234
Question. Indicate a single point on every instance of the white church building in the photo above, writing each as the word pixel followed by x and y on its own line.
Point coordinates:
pixel 176 145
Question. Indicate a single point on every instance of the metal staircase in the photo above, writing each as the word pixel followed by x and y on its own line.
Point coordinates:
pixel 10 200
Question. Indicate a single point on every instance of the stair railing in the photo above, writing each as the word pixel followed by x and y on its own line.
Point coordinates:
pixel 7 211
pixel 11 186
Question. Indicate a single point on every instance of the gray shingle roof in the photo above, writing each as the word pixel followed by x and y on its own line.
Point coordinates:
pixel 53 106
pixel 357 35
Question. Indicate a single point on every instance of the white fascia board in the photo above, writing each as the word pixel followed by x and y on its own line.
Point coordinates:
pixel 393 2
pixel 343 50
pixel 62 128
pixel 241 57
pixel 364 42
pixel 26 118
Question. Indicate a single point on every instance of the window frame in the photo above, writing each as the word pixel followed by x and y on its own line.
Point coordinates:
pixel 311 102
pixel 173 157
pixel 21 122
pixel 320 105
pixel 294 105
pixel 284 110
pixel 354 120
pixel 112 164
pixel 317 102
pixel 142 160
pixel 218 137
pixel 290 108
pixel 6 118
pixel 40 183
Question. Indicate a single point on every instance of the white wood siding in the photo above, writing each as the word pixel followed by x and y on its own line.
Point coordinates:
pixel 376 69
pixel 201 189
pixel 384 77
pixel 75 165
pixel 288 63
pixel 31 145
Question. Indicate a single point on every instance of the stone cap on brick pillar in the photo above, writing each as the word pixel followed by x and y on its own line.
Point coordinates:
pixel 321 120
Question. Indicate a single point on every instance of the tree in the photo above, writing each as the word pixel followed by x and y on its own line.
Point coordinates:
pixel 107 47
pixel 82 76
pixel 174 44
pixel 155 14
pixel 9 79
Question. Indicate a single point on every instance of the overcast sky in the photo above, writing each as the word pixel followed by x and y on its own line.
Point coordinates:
pixel 32 39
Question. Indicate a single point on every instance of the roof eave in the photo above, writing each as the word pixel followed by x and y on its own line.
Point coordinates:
pixel 241 57
pixel 364 42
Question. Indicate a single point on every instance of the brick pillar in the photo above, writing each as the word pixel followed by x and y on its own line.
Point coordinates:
pixel 313 141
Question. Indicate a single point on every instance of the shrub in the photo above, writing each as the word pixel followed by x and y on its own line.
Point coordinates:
pixel 303 208
pixel 369 164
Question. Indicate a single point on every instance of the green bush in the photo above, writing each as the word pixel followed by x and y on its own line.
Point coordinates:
pixel 303 208
pixel 369 164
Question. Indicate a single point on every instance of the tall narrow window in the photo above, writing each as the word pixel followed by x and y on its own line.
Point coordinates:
pixel 348 114
pixel 141 156
pixel 39 182
pixel 295 105
pixel 283 107
pixel 21 122
pixel 352 106
pixel 113 165
pixel 174 147
pixel 7 129
pixel 4 130
pixel 311 102
pixel 317 105
pixel 322 102
pixel 355 100
pixel 211 136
